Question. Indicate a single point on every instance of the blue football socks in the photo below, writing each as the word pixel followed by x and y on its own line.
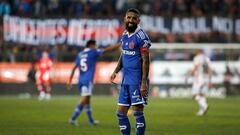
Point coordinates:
pixel 140 122
pixel 89 113
pixel 124 123
pixel 77 112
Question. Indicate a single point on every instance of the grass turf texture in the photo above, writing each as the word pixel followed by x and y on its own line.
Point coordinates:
pixel 163 116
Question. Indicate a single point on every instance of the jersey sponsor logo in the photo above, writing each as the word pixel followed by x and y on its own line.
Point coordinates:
pixel 128 52
pixel 131 46
pixel 139 125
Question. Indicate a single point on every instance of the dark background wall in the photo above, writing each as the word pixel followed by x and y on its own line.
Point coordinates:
pixel 57 89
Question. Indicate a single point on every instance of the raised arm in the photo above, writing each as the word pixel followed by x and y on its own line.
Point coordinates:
pixel 112 47
pixel 117 69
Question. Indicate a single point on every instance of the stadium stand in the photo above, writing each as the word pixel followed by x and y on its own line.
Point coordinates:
pixel 93 9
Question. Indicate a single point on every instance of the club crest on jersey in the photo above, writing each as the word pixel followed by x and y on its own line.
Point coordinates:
pixel 131 45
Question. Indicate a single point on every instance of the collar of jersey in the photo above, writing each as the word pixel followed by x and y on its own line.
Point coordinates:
pixel 137 29
pixel 86 49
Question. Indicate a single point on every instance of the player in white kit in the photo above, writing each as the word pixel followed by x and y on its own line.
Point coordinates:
pixel 202 80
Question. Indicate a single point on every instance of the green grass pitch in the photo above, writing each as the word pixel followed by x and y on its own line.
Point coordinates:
pixel 163 116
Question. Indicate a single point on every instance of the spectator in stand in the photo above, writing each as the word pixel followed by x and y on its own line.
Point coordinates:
pixel 5 8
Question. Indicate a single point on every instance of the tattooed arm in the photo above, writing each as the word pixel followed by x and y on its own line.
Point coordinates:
pixel 117 69
pixel 145 72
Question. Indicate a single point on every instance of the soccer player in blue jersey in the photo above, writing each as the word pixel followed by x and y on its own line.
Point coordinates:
pixel 86 63
pixel 134 63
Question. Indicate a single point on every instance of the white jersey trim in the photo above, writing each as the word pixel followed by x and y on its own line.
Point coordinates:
pixel 86 49
pixel 123 104
pixel 138 103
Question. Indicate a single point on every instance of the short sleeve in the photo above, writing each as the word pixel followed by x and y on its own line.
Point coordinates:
pixel 98 52
pixel 144 41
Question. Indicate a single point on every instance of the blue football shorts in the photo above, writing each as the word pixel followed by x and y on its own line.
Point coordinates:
pixel 85 89
pixel 130 95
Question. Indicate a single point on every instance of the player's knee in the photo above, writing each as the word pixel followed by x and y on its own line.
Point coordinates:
pixel 202 94
pixel 121 115
pixel 39 87
pixel 138 107
pixel 85 100
pixel 197 97
pixel 123 109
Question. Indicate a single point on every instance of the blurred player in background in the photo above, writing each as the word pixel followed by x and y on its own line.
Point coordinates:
pixel 114 90
pixel 86 63
pixel 228 75
pixel 43 76
pixel 202 80
pixel 32 75
pixel 134 63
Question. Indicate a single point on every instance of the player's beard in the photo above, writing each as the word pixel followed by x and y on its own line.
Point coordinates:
pixel 131 28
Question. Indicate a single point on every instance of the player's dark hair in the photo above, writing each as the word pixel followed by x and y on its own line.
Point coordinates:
pixel 134 10
pixel 90 42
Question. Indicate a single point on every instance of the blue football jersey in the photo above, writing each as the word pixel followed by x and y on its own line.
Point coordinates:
pixel 86 62
pixel 131 55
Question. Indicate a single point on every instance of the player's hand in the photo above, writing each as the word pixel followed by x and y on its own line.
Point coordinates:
pixel 113 76
pixel 69 85
pixel 144 90
pixel 210 85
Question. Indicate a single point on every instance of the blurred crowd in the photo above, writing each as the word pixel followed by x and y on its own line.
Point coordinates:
pixel 65 53
pixel 58 53
pixel 116 9
pixel 111 8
